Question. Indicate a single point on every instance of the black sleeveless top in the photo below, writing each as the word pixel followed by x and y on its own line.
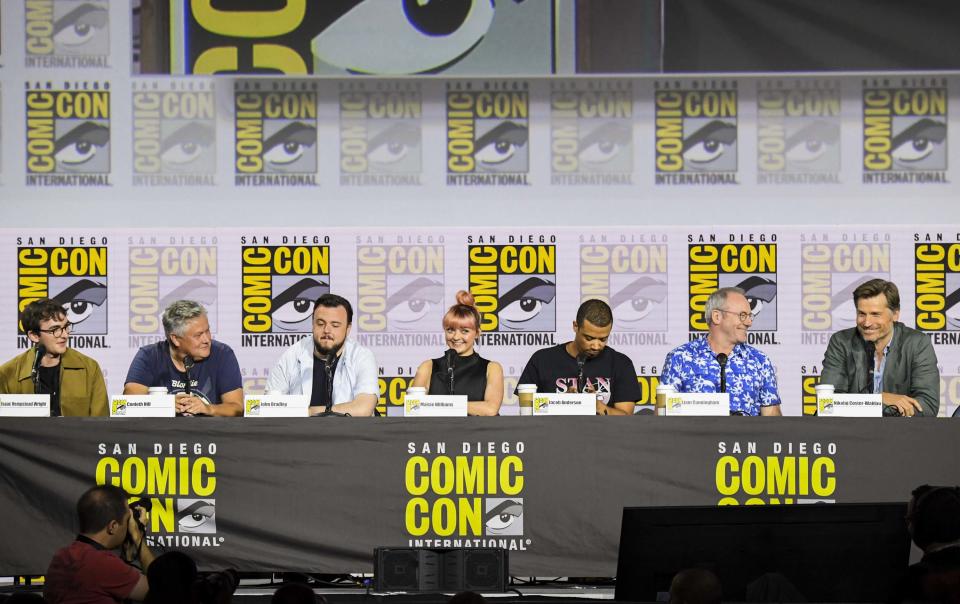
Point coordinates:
pixel 469 377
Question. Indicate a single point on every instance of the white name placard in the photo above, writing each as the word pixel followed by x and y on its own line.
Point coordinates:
pixel 698 404
pixel 142 405
pixel 24 405
pixel 565 404
pixel 850 405
pixel 435 406
pixel 276 405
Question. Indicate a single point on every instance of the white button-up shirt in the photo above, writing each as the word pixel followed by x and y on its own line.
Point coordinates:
pixel 356 372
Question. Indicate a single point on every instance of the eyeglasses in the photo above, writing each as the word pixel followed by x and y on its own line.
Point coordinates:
pixel 59 330
pixel 742 315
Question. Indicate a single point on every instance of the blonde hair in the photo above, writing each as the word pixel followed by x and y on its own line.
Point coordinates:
pixel 463 312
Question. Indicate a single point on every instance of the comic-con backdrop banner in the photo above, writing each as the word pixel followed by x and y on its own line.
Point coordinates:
pixel 259 284
pixel 319 494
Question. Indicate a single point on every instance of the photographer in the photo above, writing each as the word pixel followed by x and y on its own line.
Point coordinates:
pixel 87 570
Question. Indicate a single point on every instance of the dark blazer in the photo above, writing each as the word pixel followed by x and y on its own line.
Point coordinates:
pixel 911 366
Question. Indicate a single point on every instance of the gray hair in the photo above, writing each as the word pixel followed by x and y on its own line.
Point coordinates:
pixel 178 314
pixel 718 300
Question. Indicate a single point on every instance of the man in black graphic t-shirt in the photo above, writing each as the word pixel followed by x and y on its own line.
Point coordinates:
pixel 605 371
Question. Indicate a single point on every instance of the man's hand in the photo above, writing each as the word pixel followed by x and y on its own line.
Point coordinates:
pixel 907 406
pixel 191 405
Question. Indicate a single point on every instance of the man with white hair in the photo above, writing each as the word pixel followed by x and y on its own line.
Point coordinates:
pixel 202 373
pixel 748 375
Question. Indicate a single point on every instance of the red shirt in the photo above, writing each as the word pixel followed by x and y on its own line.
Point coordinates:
pixel 82 574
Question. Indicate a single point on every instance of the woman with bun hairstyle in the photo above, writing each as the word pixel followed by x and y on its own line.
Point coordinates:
pixel 481 380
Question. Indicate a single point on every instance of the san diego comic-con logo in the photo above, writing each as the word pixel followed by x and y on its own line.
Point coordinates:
pixel 904 130
pixel 488 130
pixel 393 386
pixel 67 33
pixel 177 482
pixel 949 393
pixel 279 285
pixel 809 378
pixel 162 272
pixel 68 133
pixel 648 378
pixel 937 286
pixel 749 266
pixel 254 379
pixel 832 266
pixel 465 495
pixel 380 133
pixel 515 287
pixel 73 272
pixel 276 133
pixel 695 132
pixel 352 37
pixel 400 291
pixel 775 472
pixel 591 132
pixel 174 132
pixel 798 131
pixel 628 272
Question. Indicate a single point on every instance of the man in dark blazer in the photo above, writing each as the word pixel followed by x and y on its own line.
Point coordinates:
pixel 883 356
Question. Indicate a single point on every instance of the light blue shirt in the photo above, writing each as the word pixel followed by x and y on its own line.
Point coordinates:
pixel 878 371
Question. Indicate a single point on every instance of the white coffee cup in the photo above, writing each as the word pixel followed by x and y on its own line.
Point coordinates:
pixel 525 393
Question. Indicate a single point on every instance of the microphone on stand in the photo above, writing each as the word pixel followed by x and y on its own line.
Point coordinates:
pixel 722 359
pixel 581 359
pixel 35 371
pixel 451 358
pixel 328 362
pixel 871 349
pixel 188 364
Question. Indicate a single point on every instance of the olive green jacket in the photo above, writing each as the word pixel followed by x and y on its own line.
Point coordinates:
pixel 82 389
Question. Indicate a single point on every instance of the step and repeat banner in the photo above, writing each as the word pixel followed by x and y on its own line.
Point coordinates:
pixel 259 285
pixel 120 193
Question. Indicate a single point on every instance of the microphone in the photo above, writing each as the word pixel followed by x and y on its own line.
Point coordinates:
pixel 871 349
pixel 581 359
pixel 328 362
pixel 722 359
pixel 35 371
pixel 188 364
pixel 451 359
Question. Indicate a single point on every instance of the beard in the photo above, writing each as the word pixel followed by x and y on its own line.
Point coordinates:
pixel 323 351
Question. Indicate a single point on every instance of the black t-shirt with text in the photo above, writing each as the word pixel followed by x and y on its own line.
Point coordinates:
pixel 610 373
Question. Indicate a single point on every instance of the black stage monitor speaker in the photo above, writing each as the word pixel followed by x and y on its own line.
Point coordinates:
pixel 437 569
pixel 827 552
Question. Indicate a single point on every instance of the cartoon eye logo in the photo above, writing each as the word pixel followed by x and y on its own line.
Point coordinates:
pixel 501 143
pixel 812 141
pixel 843 313
pixel 414 301
pixel 412 36
pixel 198 290
pixel 80 145
pixel 709 142
pixel 185 144
pixel 393 144
pixel 79 26
pixel 288 144
pixel 525 301
pixel 80 299
pixel 758 291
pixel 503 516
pixel 952 308
pixel 198 517
pixel 918 141
pixel 293 306
pixel 604 143
pixel 636 301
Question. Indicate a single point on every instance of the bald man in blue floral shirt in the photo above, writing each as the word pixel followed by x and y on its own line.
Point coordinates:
pixel 751 380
